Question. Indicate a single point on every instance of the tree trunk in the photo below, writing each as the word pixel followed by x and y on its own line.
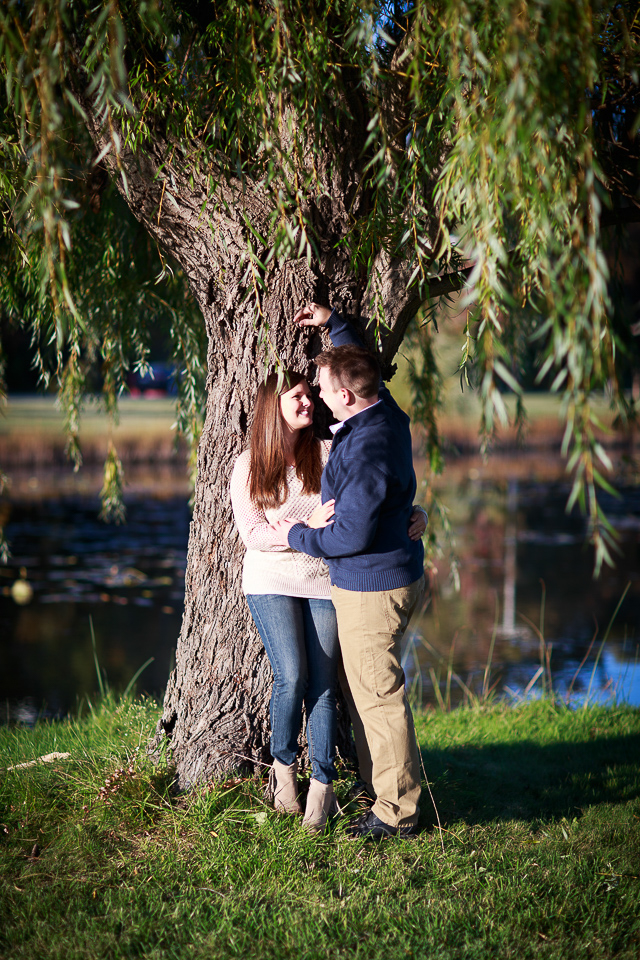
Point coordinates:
pixel 216 708
pixel 215 716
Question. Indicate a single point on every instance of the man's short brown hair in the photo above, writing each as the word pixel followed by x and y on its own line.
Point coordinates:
pixel 352 367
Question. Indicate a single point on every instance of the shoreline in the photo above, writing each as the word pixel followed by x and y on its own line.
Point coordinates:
pixel 32 431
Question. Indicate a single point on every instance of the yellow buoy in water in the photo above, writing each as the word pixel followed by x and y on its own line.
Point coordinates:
pixel 22 592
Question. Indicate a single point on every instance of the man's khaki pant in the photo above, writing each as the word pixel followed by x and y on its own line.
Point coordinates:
pixel 370 630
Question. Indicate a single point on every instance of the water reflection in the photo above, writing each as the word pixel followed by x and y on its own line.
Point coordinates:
pixel 528 604
pixel 128 579
pixel 524 571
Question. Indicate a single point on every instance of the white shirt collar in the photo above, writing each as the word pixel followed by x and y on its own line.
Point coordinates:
pixel 338 426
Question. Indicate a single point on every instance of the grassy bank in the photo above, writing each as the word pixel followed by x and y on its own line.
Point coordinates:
pixel 32 432
pixel 539 853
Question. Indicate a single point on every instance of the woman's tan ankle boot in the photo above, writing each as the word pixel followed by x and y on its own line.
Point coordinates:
pixel 285 788
pixel 321 801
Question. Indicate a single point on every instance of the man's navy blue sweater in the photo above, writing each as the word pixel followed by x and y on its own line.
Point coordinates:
pixel 370 475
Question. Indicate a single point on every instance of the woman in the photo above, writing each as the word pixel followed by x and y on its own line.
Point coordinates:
pixel 288 593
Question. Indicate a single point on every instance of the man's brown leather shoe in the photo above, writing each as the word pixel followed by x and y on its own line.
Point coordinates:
pixel 370 827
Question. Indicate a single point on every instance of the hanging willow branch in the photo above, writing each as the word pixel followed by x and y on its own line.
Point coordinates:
pixel 442 145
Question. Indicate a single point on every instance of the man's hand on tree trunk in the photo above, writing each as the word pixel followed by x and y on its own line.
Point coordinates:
pixel 312 315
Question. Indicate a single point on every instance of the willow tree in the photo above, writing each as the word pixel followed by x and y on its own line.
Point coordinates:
pixel 371 155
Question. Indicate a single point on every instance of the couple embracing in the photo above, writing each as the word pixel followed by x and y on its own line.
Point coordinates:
pixel 332 574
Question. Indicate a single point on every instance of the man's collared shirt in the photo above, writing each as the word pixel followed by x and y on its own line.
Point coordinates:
pixel 338 426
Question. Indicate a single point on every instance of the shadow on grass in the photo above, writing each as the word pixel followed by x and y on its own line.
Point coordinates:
pixel 527 781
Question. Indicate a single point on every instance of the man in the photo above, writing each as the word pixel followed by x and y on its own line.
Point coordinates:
pixel 377 570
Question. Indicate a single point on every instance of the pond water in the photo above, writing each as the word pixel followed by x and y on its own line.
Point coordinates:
pixel 528 614
pixel 125 583
pixel 525 576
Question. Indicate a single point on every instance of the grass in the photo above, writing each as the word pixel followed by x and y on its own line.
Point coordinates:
pixel 40 415
pixel 460 414
pixel 539 854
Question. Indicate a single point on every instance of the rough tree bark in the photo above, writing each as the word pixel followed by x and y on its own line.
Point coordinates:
pixel 215 712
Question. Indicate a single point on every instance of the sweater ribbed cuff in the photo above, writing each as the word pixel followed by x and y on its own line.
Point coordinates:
pixel 375 581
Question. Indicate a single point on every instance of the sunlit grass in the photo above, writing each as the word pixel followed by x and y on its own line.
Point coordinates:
pixel 40 415
pixel 538 853
pixel 461 408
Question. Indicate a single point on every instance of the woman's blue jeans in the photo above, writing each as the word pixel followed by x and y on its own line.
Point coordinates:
pixel 301 640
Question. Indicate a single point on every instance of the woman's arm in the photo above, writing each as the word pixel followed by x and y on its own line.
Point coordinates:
pixel 255 530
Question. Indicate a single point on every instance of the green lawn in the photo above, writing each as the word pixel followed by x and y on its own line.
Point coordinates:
pixel 38 419
pixel 461 409
pixel 25 415
pixel 539 852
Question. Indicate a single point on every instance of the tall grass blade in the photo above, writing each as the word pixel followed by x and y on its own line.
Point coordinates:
pixel 582 663
pixel 426 780
pixel 542 606
pixel 468 692
pixel 545 650
pixel 447 694
pixel 529 687
pixel 604 640
pixel 131 683
pixel 487 669
pixel 545 657
pixel 436 689
pixel 548 648
pixel 101 683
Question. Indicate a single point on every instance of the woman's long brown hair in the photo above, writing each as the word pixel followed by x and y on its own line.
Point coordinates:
pixel 268 471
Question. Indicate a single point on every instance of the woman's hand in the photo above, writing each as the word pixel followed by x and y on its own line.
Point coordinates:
pixel 280 530
pixel 321 516
pixel 312 315
pixel 417 523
